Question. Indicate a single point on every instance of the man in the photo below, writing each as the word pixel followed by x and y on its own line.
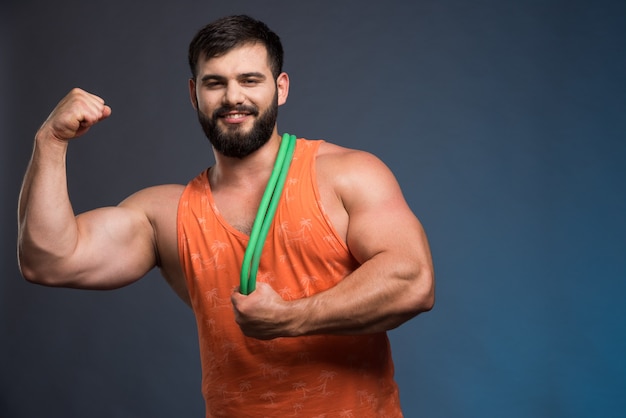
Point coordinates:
pixel 345 261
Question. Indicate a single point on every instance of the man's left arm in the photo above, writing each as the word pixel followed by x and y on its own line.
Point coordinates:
pixel 394 282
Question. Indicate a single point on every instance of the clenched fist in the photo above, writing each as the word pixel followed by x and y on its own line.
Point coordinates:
pixel 262 314
pixel 74 115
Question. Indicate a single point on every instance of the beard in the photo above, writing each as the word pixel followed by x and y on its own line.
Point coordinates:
pixel 234 141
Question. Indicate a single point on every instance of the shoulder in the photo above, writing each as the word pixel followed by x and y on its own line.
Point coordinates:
pixel 155 197
pixel 352 170
pixel 158 204
pixel 347 158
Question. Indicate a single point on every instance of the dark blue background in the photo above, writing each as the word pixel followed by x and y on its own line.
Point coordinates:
pixel 504 122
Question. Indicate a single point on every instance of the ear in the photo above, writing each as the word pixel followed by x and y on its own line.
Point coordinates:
pixel 192 93
pixel 282 85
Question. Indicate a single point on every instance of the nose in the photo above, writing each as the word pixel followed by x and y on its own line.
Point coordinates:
pixel 233 95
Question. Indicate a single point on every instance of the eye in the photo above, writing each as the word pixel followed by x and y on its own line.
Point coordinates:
pixel 213 84
pixel 250 81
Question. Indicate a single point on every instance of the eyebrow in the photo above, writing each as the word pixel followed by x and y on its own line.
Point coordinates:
pixel 253 74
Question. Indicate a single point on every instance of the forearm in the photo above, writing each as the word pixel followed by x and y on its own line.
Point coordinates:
pixel 384 292
pixel 380 295
pixel 47 225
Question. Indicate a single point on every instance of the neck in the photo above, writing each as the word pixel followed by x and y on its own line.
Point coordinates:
pixel 248 171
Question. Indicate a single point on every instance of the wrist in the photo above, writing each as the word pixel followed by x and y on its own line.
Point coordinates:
pixel 45 136
pixel 298 311
pixel 46 141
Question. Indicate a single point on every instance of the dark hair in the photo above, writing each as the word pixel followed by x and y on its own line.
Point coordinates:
pixel 230 32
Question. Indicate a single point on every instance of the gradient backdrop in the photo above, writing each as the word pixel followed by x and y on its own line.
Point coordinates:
pixel 504 122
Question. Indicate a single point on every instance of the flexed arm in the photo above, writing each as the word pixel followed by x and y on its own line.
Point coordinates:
pixel 394 282
pixel 105 248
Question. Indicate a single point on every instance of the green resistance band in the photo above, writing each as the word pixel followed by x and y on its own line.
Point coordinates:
pixel 265 215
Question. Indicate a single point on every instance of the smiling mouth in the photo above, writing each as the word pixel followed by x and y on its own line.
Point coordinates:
pixel 234 116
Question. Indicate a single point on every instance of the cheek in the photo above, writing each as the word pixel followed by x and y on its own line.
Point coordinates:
pixel 206 105
pixel 263 101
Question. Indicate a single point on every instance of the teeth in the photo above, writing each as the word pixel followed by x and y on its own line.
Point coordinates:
pixel 235 116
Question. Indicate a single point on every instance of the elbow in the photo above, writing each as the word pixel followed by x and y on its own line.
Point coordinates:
pixel 427 302
pixel 30 274
pixel 423 294
pixel 33 275
pixel 38 273
pixel 25 263
pixel 36 276
pixel 39 265
pixel 419 297
pixel 26 268
pixel 416 294
pixel 428 293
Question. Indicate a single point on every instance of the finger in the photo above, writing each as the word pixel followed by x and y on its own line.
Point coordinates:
pixel 93 107
pixel 94 116
pixel 77 113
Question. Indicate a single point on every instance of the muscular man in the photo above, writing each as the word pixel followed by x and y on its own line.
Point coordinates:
pixel 345 260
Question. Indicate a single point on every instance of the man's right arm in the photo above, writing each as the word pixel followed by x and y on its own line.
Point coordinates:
pixel 101 249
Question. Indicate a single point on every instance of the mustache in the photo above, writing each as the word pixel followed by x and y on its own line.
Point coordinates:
pixel 221 111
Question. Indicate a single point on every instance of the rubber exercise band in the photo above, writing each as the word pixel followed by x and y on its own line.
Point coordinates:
pixel 265 215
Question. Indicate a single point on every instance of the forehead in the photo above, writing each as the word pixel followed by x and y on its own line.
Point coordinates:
pixel 243 59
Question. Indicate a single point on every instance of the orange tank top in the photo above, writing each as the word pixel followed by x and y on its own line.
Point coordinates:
pixel 321 375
